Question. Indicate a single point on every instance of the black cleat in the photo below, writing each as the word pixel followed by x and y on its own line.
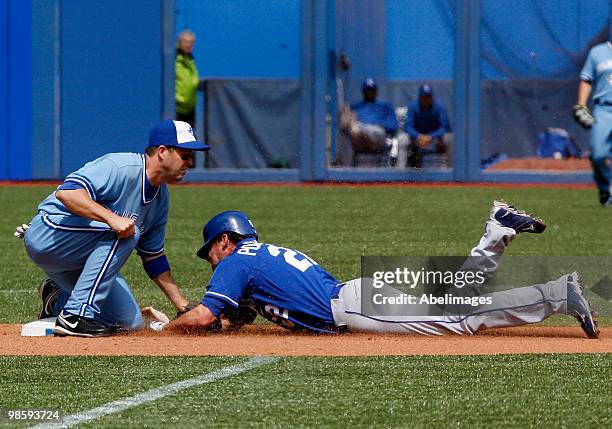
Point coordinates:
pixel 76 326
pixel 579 307
pixel 511 217
pixel 48 291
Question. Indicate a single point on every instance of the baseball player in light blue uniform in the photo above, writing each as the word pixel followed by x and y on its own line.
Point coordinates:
pixel 85 231
pixel 596 79
pixel 290 289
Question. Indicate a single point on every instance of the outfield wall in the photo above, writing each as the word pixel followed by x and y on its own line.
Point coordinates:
pixel 76 82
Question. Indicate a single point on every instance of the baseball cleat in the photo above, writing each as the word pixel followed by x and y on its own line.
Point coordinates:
pixel 48 291
pixel 579 307
pixel 505 215
pixel 76 326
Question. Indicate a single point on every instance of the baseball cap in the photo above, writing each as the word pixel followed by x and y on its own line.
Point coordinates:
pixel 425 90
pixel 175 134
pixel 368 83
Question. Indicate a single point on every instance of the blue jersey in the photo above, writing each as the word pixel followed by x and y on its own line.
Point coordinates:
pixel 598 70
pixel 433 121
pixel 282 285
pixel 376 113
pixel 117 181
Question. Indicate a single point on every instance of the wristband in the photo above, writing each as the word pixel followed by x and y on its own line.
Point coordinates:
pixel 157 266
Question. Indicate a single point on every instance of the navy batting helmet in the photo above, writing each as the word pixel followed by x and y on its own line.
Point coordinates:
pixel 228 221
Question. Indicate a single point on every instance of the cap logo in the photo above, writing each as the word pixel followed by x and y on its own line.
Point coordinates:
pixel 184 132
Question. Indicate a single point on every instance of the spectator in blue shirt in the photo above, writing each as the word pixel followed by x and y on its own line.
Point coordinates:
pixel 426 131
pixel 370 124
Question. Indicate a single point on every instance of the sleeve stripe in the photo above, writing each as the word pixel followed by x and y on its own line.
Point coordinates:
pixel 148 252
pixel 50 223
pixel 82 184
pixel 227 298
pixel 83 181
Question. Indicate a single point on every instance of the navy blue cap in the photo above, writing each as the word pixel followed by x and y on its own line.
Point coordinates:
pixel 175 134
pixel 368 83
pixel 425 90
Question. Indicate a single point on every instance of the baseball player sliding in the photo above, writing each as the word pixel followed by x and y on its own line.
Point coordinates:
pixel 290 289
pixel 85 231
pixel 597 73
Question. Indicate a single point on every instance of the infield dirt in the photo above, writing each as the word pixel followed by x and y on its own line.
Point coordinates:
pixel 271 340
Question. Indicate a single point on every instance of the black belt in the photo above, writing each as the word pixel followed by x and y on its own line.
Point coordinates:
pixel 603 102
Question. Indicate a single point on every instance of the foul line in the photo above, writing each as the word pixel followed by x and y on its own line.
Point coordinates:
pixel 155 394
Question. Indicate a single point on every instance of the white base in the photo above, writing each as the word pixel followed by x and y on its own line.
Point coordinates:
pixel 38 328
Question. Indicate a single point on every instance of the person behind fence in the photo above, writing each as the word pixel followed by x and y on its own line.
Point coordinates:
pixel 426 131
pixel 187 80
pixel 596 79
pixel 370 124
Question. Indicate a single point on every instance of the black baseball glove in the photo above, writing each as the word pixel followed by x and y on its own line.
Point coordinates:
pixel 242 315
pixel 583 116
pixel 190 306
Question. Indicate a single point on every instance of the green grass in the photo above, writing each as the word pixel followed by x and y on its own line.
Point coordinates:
pixel 499 391
pixel 334 225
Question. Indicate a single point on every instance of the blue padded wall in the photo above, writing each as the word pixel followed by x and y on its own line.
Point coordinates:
pixel 4 84
pixel 244 38
pixel 45 28
pixel 15 90
pixel 111 77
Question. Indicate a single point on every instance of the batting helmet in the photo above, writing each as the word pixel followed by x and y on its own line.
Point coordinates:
pixel 228 221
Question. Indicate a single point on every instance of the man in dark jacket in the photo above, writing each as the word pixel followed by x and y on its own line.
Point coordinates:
pixel 427 129
pixel 370 124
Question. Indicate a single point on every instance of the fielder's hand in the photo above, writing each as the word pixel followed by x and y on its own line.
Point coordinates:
pixel 123 226
pixel 154 319
pixel 583 116
pixel 21 230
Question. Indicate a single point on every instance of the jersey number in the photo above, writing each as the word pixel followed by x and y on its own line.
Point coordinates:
pixel 290 257
pixel 279 316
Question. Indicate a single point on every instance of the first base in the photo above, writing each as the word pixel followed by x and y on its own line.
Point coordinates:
pixel 38 328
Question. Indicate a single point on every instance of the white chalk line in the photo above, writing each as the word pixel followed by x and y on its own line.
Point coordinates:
pixel 155 394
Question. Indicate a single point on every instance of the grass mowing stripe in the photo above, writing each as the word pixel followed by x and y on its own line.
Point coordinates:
pixel 155 394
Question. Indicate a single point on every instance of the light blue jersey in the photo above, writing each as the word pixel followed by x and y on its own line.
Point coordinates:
pixel 598 70
pixel 118 182
pixel 282 285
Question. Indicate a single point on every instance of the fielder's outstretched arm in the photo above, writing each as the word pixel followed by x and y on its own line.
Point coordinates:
pixel 165 281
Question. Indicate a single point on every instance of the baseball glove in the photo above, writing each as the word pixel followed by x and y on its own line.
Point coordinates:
pixel 242 315
pixel 190 306
pixel 583 116
pixel 154 319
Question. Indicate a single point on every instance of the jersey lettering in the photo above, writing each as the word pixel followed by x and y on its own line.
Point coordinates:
pixel 290 257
